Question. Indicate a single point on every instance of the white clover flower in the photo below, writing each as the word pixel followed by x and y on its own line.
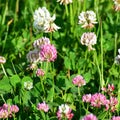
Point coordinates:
pixel 33 56
pixel 117 5
pixel 117 58
pixel 2 60
pixel 87 19
pixel 64 108
pixel 119 51
pixel 41 41
pixel 50 26
pixel 43 21
pixel 28 85
pixel 64 1
pixel 89 39
pixel 40 16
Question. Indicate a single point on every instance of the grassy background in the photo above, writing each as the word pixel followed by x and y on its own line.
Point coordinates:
pixel 17 35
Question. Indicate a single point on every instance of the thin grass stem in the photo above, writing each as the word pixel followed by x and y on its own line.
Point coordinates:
pixel 3 70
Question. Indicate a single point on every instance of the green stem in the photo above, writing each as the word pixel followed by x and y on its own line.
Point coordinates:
pixel 101 43
pixel 118 97
pixel 3 70
pixel 115 46
pixel 46 71
pixel 16 10
pixel 71 17
pixel 51 37
pixel 66 9
pixel 5 12
pixel 2 98
pixel 5 38
pixel 78 91
pixel 79 6
pixel 84 5
pixel 13 67
pixel 42 86
pixel 99 71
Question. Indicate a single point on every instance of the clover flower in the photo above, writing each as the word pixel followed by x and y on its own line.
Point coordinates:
pixel 111 104
pixel 87 19
pixel 115 118
pixel 48 52
pixel 43 106
pixel 90 117
pixel 97 100
pixel 40 72
pixel 32 66
pixel 117 5
pixel 79 81
pixel 2 60
pixel 33 56
pixel 64 1
pixel 28 85
pixel 89 39
pixel 14 108
pixel 109 89
pixel 117 58
pixel 7 110
pixel 50 26
pixel 43 21
pixel 64 112
pixel 41 41
pixel 86 98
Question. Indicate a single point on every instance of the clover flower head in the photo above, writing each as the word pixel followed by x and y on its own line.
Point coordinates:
pixel 111 104
pixel 28 85
pixel 14 108
pixel 116 5
pixel 2 60
pixel 50 26
pixel 65 2
pixel 64 111
pixel 87 19
pixel 48 53
pixel 41 41
pixel 117 58
pixel 86 98
pixel 33 56
pixel 109 89
pixel 79 81
pixel 90 117
pixel 7 110
pixel 89 39
pixel 115 118
pixel 98 100
pixel 43 106
pixel 40 72
pixel 43 21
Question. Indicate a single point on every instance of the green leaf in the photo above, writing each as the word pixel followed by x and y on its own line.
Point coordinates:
pixel 67 63
pixel 68 97
pixel 50 94
pixel 87 77
pixel 15 80
pixel 68 84
pixel 26 97
pixel 72 58
pixel 5 86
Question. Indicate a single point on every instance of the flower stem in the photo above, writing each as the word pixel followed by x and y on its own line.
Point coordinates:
pixel 71 17
pixel 66 9
pixel 101 43
pixel 42 86
pixel 2 98
pixel 3 70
